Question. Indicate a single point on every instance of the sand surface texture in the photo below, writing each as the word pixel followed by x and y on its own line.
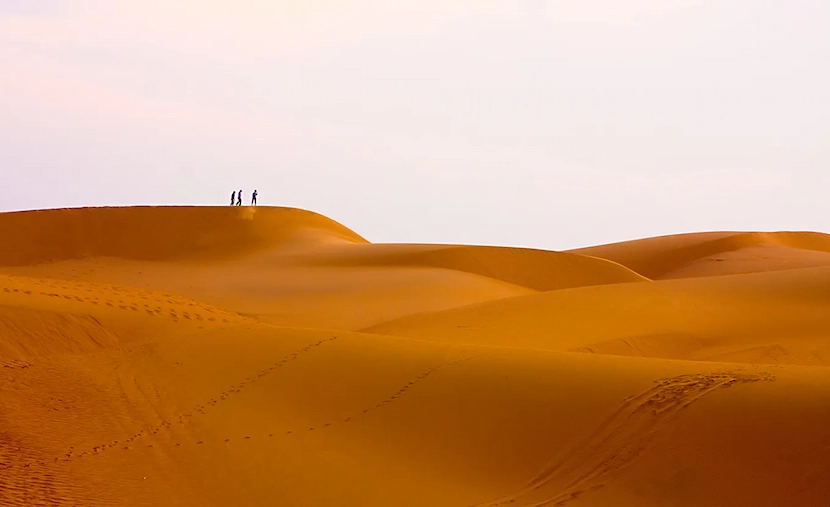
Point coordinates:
pixel 271 356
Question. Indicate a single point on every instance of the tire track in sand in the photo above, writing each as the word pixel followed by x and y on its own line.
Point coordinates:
pixel 620 439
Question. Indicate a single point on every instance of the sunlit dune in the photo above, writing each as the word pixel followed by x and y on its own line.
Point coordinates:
pixel 272 356
pixel 718 253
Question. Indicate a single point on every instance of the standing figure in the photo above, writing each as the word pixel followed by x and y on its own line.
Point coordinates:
pixel 239 198
pixel 233 198
pixel 253 198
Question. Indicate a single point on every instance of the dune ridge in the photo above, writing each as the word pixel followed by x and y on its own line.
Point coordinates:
pixel 231 356
pixel 672 256
pixel 159 233
pixel 307 265
pixel 774 317
pixel 539 270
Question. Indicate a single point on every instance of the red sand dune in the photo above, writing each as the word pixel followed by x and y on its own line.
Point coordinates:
pixel 268 356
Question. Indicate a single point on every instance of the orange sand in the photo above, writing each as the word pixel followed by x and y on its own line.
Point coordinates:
pixel 269 356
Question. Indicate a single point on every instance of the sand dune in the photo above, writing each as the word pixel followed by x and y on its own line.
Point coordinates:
pixel 207 356
pixel 285 266
pixel 157 234
pixel 718 253
pixel 770 318
pixel 534 269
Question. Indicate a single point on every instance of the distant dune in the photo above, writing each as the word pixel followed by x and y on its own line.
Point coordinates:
pixel 272 356
pixel 717 253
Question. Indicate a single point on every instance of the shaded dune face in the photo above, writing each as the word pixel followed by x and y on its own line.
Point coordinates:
pixel 272 356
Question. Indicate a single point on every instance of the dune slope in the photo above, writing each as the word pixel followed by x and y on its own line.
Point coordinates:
pixel 159 233
pixel 720 253
pixel 285 266
pixel 776 317
pixel 534 269
pixel 186 373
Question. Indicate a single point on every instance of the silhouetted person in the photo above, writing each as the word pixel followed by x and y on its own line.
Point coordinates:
pixel 253 198
pixel 239 198
pixel 233 198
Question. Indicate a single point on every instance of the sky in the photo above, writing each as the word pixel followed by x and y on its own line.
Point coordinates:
pixel 550 124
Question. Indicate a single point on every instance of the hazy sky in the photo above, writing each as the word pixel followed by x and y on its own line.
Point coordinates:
pixel 551 124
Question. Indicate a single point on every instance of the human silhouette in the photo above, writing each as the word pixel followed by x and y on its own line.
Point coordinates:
pixel 233 198
pixel 239 198
pixel 253 198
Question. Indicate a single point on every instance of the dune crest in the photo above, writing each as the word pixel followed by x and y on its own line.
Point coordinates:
pixel 720 253
pixel 160 233
pixel 539 270
pixel 286 266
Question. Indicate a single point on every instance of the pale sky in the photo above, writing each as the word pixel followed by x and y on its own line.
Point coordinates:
pixel 548 124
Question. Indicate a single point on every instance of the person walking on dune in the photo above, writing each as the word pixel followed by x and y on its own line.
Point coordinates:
pixel 239 198
pixel 233 198
pixel 253 198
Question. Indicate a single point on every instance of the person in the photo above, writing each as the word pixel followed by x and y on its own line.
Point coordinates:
pixel 233 198
pixel 253 199
pixel 239 198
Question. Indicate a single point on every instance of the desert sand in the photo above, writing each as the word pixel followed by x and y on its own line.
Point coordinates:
pixel 272 356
